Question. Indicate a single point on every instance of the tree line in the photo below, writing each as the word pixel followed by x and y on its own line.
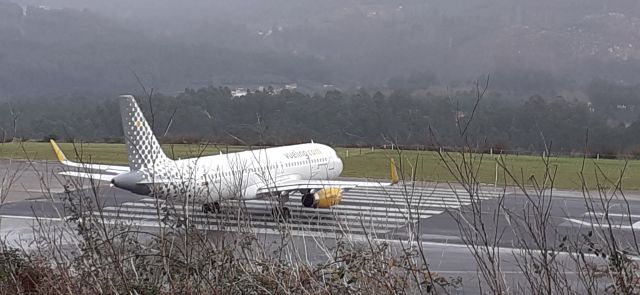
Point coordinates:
pixel 360 118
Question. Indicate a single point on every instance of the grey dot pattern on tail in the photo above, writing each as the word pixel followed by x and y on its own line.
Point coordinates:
pixel 146 154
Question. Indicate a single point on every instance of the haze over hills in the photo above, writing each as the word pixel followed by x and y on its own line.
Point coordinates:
pixel 414 60
pixel 95 45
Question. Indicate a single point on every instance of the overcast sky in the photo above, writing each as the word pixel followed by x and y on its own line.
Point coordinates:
pixel 362 43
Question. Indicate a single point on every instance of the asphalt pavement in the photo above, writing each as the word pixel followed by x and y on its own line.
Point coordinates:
pixel 427 215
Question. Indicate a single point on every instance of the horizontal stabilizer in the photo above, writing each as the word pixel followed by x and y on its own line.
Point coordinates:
pixel 106 168
pixel 94 176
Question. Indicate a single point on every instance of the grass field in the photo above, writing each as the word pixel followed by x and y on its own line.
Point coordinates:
pixel 365 163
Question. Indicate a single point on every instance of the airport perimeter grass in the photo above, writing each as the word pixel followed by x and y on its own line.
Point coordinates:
pixel 366 163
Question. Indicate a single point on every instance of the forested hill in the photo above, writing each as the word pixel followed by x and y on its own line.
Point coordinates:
pixel 551 64
pixel 55 51
pixel 210 114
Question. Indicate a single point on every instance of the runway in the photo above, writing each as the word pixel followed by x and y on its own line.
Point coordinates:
pixel 385 212
pixel 378 212
pixel 419 214
pixel 393 213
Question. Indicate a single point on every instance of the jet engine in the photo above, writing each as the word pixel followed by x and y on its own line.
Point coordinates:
pixel 324 198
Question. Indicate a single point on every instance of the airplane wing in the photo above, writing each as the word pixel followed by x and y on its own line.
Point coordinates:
pixel 109 169
pixel 319 184
pixel 303 184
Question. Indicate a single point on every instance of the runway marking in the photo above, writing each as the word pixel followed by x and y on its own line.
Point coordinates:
pixel 445 245
pixel 196 212
pixel 34 217
pixel 363 211
pixel 621 223
pixel 612 214
pixel 634 226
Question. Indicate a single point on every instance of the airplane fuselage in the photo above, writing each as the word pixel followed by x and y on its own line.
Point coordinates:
pixel 234 175
pixel 309 168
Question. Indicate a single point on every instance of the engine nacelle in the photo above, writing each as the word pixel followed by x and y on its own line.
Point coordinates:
pixel 129 181
pixel 324 198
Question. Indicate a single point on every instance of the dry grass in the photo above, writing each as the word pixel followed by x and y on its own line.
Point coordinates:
pixel 371 164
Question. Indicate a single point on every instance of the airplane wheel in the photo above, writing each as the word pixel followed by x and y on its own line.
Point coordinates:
pixel 282 213
pixel 211 207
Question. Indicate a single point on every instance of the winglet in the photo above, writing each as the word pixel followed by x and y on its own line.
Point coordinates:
pixel 61 157
pixel 394 172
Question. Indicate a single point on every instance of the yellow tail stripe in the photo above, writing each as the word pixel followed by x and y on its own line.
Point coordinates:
pixel 58 151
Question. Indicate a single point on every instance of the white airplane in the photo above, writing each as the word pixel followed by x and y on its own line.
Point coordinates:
pixel 276 172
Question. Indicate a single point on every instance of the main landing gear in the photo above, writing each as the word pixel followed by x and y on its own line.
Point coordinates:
pixel 280 211
pixel 211 207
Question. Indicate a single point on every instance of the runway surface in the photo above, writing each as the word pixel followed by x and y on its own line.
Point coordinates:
pixel 425 214
pixel 385 212
pixel 378 212
pixel 392 213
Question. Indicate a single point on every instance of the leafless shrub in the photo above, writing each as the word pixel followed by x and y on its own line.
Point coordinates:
pixel 91 251
pixel 480 232
pixel 598 259
pixel 617 254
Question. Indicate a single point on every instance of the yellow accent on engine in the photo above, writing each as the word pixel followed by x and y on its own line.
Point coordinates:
pixel 58 151
pixel 329 197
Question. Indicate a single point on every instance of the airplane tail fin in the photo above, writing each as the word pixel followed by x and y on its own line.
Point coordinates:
pixel 143 147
